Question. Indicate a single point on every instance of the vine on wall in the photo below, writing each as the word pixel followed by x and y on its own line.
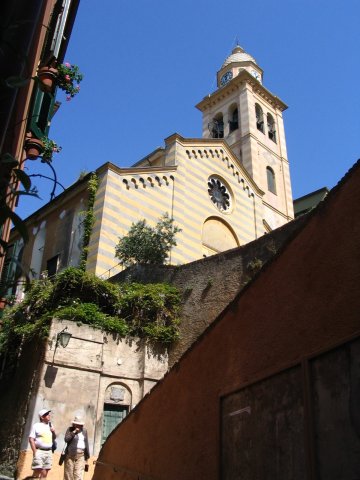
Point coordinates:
pixel 147 311
pixel 89 219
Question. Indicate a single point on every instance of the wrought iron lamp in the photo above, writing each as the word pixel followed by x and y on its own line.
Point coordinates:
pixel 63 338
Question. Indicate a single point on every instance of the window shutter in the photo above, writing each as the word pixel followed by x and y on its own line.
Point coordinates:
pixel 41 113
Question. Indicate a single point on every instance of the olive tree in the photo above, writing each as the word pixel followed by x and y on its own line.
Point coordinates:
pixel 147 245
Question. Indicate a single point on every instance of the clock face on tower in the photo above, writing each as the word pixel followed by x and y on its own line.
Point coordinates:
pixel 255 74
pixel 226 78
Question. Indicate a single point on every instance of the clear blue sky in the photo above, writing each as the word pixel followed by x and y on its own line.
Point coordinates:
pixel 146 63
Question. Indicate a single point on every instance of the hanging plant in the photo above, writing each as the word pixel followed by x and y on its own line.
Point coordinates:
pixel 68 79
pixel 50 147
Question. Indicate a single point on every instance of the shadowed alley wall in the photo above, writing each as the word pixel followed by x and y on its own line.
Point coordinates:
pixel 303 303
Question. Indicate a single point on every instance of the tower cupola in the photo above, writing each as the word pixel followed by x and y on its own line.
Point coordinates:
pixel 237 61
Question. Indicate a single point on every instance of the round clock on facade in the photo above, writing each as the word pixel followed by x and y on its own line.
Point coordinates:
pixel 255 74
pixel 226 78
pixel 219 194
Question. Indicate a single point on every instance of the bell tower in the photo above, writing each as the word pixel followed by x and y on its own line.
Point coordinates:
pixel 248 117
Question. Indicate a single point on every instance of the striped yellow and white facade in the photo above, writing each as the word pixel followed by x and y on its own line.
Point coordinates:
pixel 124 197
pixel 177 183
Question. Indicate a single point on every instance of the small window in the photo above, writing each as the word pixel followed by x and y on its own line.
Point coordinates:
pixel 259 118
pixel 271 127
pixel 55 30
pixel 271 180
pixel 52 266
pixel 234 120
pixel 216 127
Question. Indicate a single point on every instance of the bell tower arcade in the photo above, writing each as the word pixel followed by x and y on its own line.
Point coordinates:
pixel 248 117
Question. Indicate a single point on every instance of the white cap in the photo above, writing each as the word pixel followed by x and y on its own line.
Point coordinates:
pixel 43 412
pixel 78 421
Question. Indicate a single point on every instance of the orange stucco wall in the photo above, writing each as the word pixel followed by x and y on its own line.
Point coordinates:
pixel 306 300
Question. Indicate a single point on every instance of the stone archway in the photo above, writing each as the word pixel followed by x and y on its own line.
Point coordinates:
pixel 117 404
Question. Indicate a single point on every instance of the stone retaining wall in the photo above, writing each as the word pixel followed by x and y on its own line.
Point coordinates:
pixel 210 284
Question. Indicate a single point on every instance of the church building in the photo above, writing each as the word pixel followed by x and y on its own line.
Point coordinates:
pixel 223 190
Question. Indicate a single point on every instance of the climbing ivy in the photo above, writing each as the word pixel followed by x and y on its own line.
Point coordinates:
pixel 89 219
pixel 148 311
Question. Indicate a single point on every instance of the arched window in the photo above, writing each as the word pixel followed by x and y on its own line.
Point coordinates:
pixel 271 127
pixel 259 118
pixel 233 119
pixel 217 236
pixel 271 180
pixel 216 127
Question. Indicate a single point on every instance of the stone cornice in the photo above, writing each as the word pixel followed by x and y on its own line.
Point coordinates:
pixel 135 170
pixel 64 197
pixel 281 214
pixel 243 78
pixel 241 64
pixel 155 154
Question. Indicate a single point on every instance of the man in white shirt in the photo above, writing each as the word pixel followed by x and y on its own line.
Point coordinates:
pixel 41 439
pixel 77 450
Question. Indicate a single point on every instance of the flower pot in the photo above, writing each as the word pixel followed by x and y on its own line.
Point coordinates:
pixel 33 148
pixel 47 77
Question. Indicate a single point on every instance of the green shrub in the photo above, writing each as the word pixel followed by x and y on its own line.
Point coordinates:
pixel 149 311
pixel 74 283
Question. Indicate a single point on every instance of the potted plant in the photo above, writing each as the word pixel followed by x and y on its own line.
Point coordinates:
pixel 43 147
pixel 33 147
pixel 68 79
pixel 47 76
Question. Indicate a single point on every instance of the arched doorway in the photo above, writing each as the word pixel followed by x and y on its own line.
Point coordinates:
pixel 116 407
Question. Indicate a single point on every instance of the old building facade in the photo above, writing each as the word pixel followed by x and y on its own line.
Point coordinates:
pixel 94 376
pixel 26 108
pixel 223 190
